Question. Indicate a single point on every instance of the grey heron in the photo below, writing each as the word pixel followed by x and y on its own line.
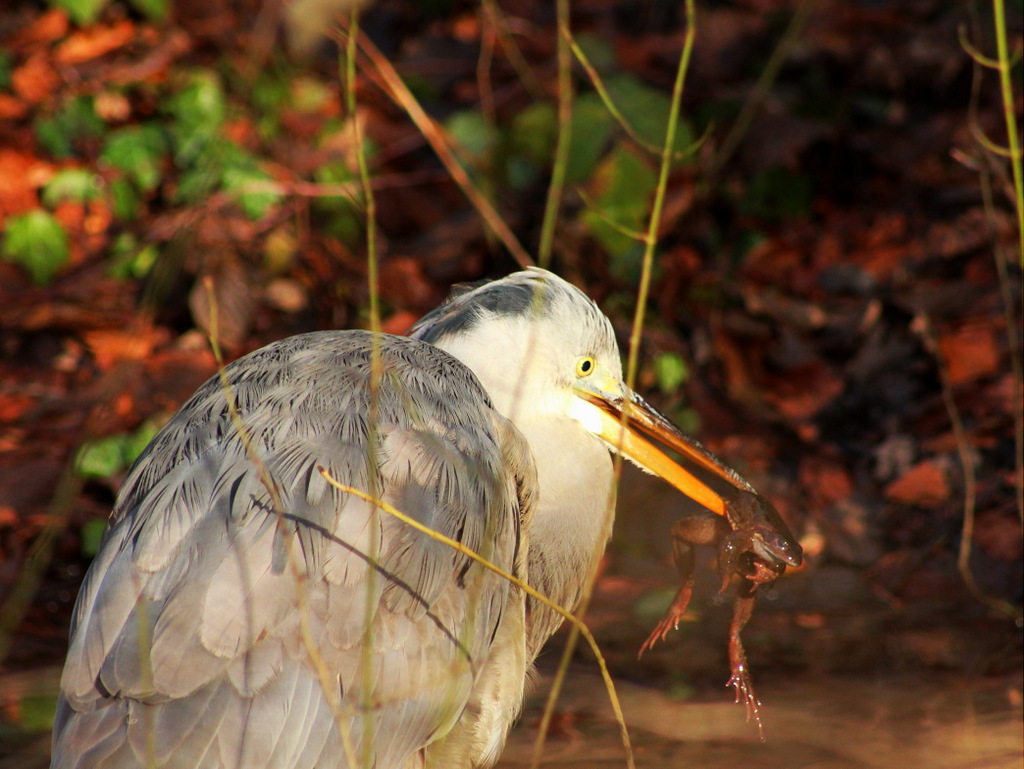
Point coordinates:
pixel 236 594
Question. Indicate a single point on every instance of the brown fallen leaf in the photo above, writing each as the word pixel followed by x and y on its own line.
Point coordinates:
pixel 15 405
pixel 924 485
pixel 36 79
pixel 970 353
pixel 18 183
pixel 805 391
pixel 825 480
pixel 232 293
pixel 93 42
pixel 12 108
pixel 109 346
pixel 999 535
pixel 45 29
pixel 399 323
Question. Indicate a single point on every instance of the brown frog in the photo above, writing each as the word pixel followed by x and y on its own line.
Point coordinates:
pixel 754 542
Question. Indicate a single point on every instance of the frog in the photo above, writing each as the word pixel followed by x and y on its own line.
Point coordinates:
pixel 754 542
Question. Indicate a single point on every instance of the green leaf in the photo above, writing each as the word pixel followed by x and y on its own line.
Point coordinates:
pixel 78 185
pixel 471 132
pixel 647 111
pixel 308 94
pixel 271 91
pixel 154 10
pixel 35 712
pixel 195 184
pixel 106 457
pixel 335 172
pixel 669 372
pixel 6 69
pixel 82 12
pixel 534 132
pixel 254 204
pixel 129 260
pixel 342 213
pixel 125 200
pixel 269 94
pixel 102 458
pixel 599 52
pixel 197 113
pixel 76 119
pixel 139 152
pixel 687 420
pixel 135 443
pixel 626 182
pixel 777 193
pixel 37 242
pixel 92 537
pixel 591 126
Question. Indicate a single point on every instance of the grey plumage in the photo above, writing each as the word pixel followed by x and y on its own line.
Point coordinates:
pixel 188 562
pixel 210 614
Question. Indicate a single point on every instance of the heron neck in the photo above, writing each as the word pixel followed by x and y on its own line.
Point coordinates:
pixel 571 521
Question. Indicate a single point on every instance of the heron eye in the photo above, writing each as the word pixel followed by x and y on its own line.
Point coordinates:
pixel 585 366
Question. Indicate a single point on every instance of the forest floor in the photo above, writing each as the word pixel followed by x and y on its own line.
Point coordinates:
pixel 835 313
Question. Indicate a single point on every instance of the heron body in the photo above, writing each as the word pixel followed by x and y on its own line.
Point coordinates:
pixel 243 613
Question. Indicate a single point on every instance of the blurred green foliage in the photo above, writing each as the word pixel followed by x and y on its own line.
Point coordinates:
pixel 73 121
pixel 108 456
pixel 87 11
pixel 183 149
pixel 36 241
pixel 670 372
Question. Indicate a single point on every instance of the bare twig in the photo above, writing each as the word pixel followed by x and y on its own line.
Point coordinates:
pixel 762 87
pixel 286 551
pixel 435 136
pixel 577 623
pixel 924 327
pixel 634 346
pixel 564 141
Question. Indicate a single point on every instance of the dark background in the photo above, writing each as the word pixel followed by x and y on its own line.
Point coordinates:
pixel 835 310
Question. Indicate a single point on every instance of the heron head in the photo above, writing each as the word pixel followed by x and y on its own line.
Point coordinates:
pixel 543 349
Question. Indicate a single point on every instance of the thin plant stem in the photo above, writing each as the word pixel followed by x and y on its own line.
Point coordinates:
pixel 986 168
pixel 970 483
pixel 634 348
pixel 602 92
pixel 1009 113
pixel 1016 163
pixel 508 45
pixel 435 136
pixel 376 372
pixel 1012 338
pixel 327 685
pixel 564 141
pixel 762 87
pixel 578 625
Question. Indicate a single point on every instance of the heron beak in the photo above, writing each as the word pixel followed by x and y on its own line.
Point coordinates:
pixel 626 435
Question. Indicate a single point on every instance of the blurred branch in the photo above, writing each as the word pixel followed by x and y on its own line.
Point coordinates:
pixel 435 136
pixel 1009 113
pixel 923 325
pixel 494 16
pixel 574 619
pixel 39 555
pixel 564 141
pixel 762 87
pixel 986 168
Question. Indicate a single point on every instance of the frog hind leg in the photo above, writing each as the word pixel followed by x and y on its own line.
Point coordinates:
pixel 700 528
pixel 740 679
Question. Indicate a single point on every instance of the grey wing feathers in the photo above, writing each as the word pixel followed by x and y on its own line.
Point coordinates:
pixel 201 570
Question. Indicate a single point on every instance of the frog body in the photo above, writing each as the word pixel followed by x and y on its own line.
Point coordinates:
pixel 752 541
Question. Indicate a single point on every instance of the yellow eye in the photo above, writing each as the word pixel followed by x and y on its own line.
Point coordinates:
pixel 585 366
